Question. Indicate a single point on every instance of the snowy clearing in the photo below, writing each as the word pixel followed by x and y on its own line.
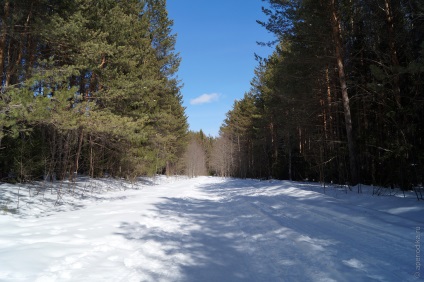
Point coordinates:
pixel 207 229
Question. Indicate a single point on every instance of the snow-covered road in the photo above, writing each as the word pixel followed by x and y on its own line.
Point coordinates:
pixel 212 229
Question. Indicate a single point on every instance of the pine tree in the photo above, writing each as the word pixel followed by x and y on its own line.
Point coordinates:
pixel 170 124
pixel 344 57
pixel 90 85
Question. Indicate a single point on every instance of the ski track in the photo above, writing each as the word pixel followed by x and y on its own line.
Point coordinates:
pixel 210 229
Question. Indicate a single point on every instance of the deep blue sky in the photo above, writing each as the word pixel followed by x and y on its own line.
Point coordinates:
pixel 217 42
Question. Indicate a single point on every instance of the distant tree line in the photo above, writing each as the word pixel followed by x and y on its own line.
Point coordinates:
pixel 196 161
pixel 88 87
pixel 341 99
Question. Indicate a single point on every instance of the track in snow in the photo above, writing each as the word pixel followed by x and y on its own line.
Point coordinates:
pixel 211 229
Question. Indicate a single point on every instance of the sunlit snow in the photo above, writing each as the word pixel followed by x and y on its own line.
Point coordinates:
pixel 206 229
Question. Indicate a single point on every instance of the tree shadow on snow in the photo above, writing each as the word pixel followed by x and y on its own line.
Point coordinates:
pixel 250 231
pixel 200 243
pixel 202 239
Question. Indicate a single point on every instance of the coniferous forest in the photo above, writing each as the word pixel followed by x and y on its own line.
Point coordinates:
pixel 88 87
pixel 340 100
pixel 92 123
pixel 91 88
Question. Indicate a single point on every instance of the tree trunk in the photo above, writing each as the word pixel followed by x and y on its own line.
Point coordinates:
pixel 290 158
pixel 329 107
pixel 77 157
pixel 168 168
pixel 30 56
pixel 91 158
pixel 3 36
pixel 14 60
pixel 392 46
pixel 345 97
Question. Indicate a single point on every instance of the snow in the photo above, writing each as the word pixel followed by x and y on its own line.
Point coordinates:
pixel 206 229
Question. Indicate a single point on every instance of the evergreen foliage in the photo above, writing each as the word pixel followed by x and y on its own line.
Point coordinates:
pixel 341 99
pixel 88 88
